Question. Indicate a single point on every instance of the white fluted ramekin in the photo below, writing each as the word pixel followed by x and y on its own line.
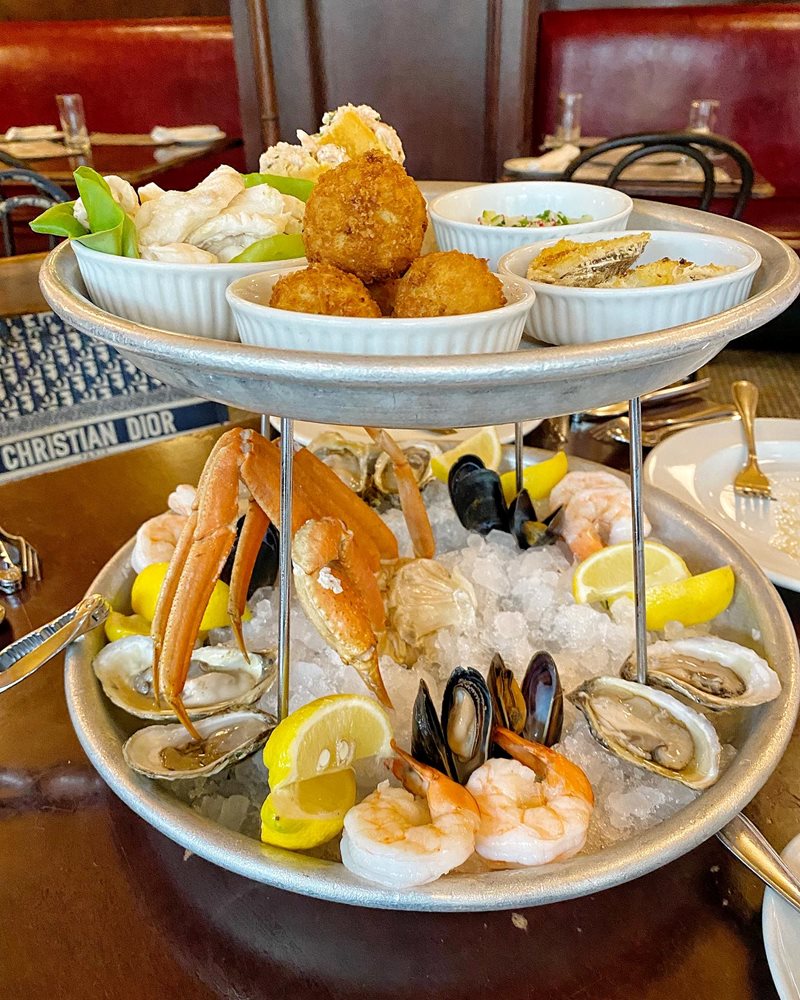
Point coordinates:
pixel 490 332
pixel 565 315
pixel 182 298
pixel 455 215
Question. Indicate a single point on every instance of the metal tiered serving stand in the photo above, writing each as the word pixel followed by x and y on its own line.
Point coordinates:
pixel 535 381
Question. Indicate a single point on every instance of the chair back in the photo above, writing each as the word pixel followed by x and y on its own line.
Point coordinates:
pixel 46 193
pixel 688 144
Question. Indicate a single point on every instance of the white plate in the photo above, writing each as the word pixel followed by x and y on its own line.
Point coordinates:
pixel 304 431
pixel 780 923
pixel 698 466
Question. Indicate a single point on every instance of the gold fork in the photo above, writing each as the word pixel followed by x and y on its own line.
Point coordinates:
pixel 751 481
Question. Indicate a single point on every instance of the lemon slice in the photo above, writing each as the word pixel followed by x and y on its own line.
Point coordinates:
pixel 119 626
pixel 327 797
pixel 485 444
pixel 326 735
pixel 608 574
pixel 537 479
pixel 692 601
pixel 146 587
pixel 308 813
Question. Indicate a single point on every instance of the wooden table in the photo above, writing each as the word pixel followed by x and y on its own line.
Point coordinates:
pixel 96 904
pixel 135 163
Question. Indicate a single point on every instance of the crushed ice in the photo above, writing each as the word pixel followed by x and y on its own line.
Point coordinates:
pixel 524 604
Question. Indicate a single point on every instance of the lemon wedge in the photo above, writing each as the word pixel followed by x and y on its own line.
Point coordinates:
pixel 608 574
pixel 691 602
pixel 119 626
pixel 146 587
pixel 485 444
pixel 537 479
pixel 326 735
pixel 306 814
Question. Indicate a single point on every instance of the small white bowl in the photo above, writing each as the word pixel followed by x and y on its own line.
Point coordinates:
pixel 182 298
pixel 489 332
pixel 455 215
pixel 565 315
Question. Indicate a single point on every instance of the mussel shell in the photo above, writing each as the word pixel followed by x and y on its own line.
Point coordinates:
pixel 428 744
pixel 544 700
pixel 467 720
pixel 508 704
pixel 477 496
pixel 265 570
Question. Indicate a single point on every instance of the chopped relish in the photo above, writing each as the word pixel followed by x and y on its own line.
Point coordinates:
pixel 546 218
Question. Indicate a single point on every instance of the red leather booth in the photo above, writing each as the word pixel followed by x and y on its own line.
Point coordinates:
pixel 639 69
pixel 132 74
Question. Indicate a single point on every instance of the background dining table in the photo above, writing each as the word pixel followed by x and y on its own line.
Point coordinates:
pixel 96 903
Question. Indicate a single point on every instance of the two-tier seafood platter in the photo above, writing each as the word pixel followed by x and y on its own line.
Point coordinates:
pixel 447 636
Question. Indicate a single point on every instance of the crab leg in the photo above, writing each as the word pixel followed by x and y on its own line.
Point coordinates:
pixel 419 525
pixel 332 597
pixel 254 528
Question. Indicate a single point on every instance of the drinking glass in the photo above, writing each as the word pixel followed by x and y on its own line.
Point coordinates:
pixel 703 115
pixel 73 122
pixel 569 119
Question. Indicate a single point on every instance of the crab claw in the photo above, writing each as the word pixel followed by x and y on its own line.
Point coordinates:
pixel 340 595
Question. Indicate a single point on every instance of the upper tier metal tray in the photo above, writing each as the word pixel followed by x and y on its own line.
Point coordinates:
pixel 464 390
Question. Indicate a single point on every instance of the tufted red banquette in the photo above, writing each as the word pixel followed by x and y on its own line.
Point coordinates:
pixel 639 70
pixel 132 74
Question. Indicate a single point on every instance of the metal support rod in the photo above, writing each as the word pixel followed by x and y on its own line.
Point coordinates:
pixel 285 564
pixel 518 455
pixel 637 513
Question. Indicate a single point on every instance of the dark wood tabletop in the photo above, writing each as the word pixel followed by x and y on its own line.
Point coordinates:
pixel 96 904
pixel 137 164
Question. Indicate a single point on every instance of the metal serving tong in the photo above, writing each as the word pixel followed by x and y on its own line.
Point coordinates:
pixel 746 842
pixel 24 656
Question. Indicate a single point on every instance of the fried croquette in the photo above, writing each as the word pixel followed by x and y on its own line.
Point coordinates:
pixel 450 283
pixel 367 217
pixel 325 290
pixel 384 293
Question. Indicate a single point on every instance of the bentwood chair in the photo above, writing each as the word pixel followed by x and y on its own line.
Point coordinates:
pixel 688 144
pixel 46 193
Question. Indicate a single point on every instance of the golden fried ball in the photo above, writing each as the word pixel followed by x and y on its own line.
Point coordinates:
pixel 322 289
pixel 448 284
pixel 366 216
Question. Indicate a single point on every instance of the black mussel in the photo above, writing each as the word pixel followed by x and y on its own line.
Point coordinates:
pixel 508 705
pixel 265 570
pixel 541 689
pixel 527 529
pixel 477 496
pixel 467 720
pixel 428 744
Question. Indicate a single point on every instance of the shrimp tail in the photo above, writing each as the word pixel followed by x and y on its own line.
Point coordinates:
pixel 544 761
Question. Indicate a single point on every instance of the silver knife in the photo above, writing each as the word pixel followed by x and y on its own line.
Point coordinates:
pixel 24 657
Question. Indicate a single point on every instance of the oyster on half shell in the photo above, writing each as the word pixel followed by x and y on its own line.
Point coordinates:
pixel 219 678
pixel 650 729
pixel 418 455
pixel 350 460
pixel 711 671
pixel 169 753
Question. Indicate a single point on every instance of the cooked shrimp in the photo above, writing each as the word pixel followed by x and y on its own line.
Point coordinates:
pixel 597 511
pixel 534 808
pixel 156 539
pixel 577 482
pixel 594 518
pixel 399 839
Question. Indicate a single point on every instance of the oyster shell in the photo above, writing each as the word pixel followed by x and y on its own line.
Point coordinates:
pixel 219 678
pixel 418 454
pixel 710 671
pixel 350 460
pixel 650 729
pixel 169 753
